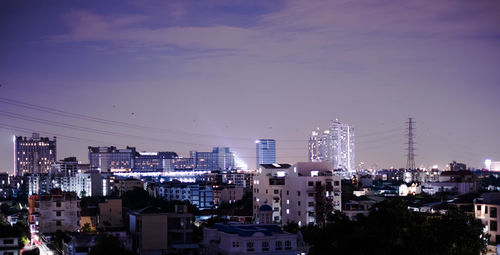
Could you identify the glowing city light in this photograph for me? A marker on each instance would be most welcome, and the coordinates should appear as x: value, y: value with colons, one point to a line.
x: 487, y: 164
x: 240, y: 164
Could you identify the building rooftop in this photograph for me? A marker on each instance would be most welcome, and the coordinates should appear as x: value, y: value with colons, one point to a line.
x: 276, y: 166
x: 248, y: 229
x: 148, y: 210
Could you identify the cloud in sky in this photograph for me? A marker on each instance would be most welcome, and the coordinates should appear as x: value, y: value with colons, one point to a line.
x: 325, y: 19
x: 352, y: 32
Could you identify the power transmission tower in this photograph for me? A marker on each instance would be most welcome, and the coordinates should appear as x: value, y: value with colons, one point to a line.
x: 410, y: 160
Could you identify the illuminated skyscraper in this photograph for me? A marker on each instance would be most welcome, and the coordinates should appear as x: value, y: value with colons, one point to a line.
x: 33, y: 155
x: 336, y: 144
x: 266, y: 151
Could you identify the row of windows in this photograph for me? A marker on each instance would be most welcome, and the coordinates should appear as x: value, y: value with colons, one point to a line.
x: 493, y: 211
x: 265, y: 245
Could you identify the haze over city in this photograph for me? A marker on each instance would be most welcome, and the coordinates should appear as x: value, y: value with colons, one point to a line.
x: 190, y: 75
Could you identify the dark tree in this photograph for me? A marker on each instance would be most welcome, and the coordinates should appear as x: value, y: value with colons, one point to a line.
x: 390, y: 228
x: 323, y: 206
x: 109, y: 245
x: 291, y: 227
x: 137, y: 198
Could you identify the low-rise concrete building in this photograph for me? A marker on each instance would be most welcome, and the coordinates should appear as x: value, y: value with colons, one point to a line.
x: 487, y: 209
x: 155, y: 231
x: 130, y: 184
x: 110, y: 214
x: 10, y: 242
x: 293, y: 191
x: 56, y: 211
x: 237, y: 238
x: 462, y: 182
x: 353, y: 208
x: 228, y: 194
x: 199, y: 195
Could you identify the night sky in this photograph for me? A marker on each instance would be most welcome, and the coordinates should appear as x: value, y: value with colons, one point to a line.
x: 190, y: 75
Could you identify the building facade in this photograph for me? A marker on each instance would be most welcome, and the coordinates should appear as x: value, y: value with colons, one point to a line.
x: 157, y: 232
x: 218, y: 178
x: 336, y: 144
x: 293, y: 191
x: 51, y: 212
x: 108, y: 159
x: 91, y: 183
x: 220, y: 158
x: 110, y: 214
x: 201, y: 196
x: 10, y: 242
x: 487, y: 209
x: 265, y: 151
x: 268, y: 185
x: 34, y: 155
x: 228, y: 194
x: 307, y: 185
x: 153, y: 161
x: 248, y: 239
x: 129, y: 184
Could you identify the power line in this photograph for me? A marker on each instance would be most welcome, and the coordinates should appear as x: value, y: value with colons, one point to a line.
x: 84, y: 117
x: 21, y: 129
x: 17, y: 128
x: 104, y: 121
x: 128, y: 135
x: 111, y: 133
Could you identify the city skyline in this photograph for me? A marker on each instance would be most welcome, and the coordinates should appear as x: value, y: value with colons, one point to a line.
x: 335, y: 144
x: 182, y: 76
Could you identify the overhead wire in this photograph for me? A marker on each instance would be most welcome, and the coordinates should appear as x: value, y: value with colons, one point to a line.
x: 142, y: 127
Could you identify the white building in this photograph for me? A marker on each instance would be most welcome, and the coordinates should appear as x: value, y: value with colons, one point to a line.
x: 487, y: 209
x: 10, y: 242
x: 462, y: 182
x: 336, y: 144
x: 268, y: 184
x: 301, y: 189
x: 83, y: 184
x: 51, y: 212
x: 198, y: 195
x: 228, y: 194
x: 239, y: 238
x: 292, y: 191
x: 354, y: 208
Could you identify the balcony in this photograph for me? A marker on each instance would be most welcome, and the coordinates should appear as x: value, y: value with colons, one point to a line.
x: 276, y: 181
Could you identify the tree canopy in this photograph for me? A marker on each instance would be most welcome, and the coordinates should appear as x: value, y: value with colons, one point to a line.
x: 108, y: 244
x: 390, y: 228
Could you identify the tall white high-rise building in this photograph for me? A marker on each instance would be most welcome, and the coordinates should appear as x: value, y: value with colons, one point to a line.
x: 336, y: 144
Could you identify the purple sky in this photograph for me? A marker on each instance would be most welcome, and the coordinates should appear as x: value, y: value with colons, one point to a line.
x: 224, y: 73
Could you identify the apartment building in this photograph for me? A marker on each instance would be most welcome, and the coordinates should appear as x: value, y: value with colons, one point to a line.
x: 56, y: 211
x: 293, y: 191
